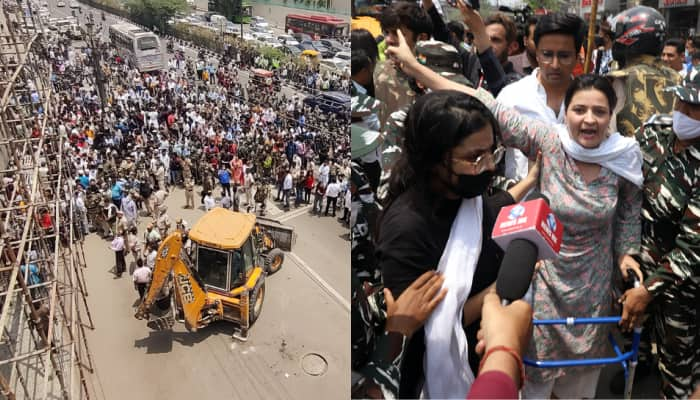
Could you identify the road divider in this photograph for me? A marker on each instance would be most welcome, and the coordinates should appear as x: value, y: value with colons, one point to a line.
x: 321, y: 282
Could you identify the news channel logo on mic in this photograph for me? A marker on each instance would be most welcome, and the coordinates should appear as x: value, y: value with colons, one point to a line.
x: 552, y: 222
x: 516, y: 212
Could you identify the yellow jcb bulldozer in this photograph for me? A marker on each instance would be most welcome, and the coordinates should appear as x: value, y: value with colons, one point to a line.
x: 222, y: 277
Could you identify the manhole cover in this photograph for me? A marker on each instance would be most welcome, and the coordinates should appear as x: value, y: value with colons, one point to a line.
x: 314, y: 364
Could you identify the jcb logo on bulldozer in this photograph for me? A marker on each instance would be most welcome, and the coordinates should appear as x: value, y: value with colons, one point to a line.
x: 185, y: 288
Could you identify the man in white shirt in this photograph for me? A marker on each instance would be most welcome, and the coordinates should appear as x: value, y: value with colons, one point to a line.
x: 142, y: 277
x: 209, y: 202
x: 332, y: 192
x: 324, y: 173
x: 287, y: 185
x: 540, y: 95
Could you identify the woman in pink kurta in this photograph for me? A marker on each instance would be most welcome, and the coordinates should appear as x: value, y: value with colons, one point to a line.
x: 601, y: 220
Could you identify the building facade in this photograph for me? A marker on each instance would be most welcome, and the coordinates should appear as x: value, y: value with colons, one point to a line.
x: 275, y: 11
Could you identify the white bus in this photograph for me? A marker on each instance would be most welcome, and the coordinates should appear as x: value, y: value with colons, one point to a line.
x: 141, y: 47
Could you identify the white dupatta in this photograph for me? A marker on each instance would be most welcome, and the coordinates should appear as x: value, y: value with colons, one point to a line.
x: 446, y: 361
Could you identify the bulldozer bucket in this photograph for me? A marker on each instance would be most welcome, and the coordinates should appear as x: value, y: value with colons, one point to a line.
x: 283, y: 236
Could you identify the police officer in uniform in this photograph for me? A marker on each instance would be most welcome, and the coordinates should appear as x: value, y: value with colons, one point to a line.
x: 640, y: 84
x: 670, y: 250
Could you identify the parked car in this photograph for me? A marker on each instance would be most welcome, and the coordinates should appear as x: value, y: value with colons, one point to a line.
x: 269, y: 41
x: 325, y: 51
x: 291, y: 50
x: 256, y: 19
x: 332, y: 44
x: 302, y: 37
x: 343, y: 55
x: 61, y: 4
x: 330, y: 102
x: 306, y: 45
x: 316, y: 45
x: 74, y: 4
x: 334, y: 65
x: 288, y: 40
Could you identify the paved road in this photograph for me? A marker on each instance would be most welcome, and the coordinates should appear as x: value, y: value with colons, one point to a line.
x: 306, y: 313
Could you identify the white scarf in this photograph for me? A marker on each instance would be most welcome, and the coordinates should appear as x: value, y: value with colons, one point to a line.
x: 617, y: 153
x: 447, y: 372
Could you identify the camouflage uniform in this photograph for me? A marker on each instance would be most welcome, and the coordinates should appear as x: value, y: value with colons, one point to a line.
x: 364, y: 221
x: 376, y: 354
x: 670, y: 250
x: 644, y: 84
x: 393, y: 88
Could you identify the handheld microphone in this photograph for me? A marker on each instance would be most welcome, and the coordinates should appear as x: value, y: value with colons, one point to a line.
x: 527, y: 232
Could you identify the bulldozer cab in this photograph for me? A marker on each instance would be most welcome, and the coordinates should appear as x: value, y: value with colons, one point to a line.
x: 224, y: 270
x: 223, y: 249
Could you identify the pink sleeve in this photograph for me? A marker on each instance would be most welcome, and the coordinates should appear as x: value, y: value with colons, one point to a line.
x: 493, y: 385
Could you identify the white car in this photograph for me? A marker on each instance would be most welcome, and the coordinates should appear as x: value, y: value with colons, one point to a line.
x: 61, y: 4
x: 343, y: 55
x: 74, y: 4
x: 249, y: 38
x: 269, y: 41
x: 287, y: 40
x: 334, y: 65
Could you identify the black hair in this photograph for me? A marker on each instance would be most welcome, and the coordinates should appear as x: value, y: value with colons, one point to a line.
x: 435, y: 124
x: 696, y: 55
x: 409, y: 15
x: 359, y: 61
x: 361, y: 39
x: 457, y: 28
x: 564, y: 24
x: 591, y: 81
x: 677, y: 43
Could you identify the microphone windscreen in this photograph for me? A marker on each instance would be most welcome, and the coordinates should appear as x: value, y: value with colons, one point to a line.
x: 516, y: 269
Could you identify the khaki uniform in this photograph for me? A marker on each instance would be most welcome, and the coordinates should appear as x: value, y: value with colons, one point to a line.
x: 189, y: 192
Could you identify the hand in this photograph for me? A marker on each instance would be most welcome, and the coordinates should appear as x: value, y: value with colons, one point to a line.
x: 471, y: 17
x: 509, y: 326
x: 410, y: 311
x: 534, y: 173
x: 628, y: 262
x: 634, y: 302
x: 427, y: 4
x: 402, y: 56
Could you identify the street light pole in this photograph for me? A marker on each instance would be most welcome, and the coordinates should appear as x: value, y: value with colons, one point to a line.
x: 95, y: 56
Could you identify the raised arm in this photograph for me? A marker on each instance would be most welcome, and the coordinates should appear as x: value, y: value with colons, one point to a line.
x: 519, y: 131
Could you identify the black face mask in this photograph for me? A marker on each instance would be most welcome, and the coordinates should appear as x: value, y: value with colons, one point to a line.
x: 470, y: 186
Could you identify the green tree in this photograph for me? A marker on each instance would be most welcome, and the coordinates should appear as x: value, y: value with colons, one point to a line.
x: 552, y: 5
x: 152, y: 13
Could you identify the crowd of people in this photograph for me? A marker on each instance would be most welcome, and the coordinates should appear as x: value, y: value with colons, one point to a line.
x: 448, y: 128
x: 195, y: 126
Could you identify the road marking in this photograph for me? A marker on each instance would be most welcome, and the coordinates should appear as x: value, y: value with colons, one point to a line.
x: 294, y: 214
x: 321, y: 282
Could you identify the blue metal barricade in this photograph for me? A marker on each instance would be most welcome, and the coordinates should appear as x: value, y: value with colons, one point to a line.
x: 628, y: 360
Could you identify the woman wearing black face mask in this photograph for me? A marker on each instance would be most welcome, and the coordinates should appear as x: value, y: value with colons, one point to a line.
x: 449, y: 155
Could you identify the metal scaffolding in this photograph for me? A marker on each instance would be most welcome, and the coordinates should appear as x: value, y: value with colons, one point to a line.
x: 44, y: 352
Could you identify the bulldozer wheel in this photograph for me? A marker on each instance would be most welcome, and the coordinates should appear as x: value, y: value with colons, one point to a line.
x: 256, y: 303
x: 274, y: 260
